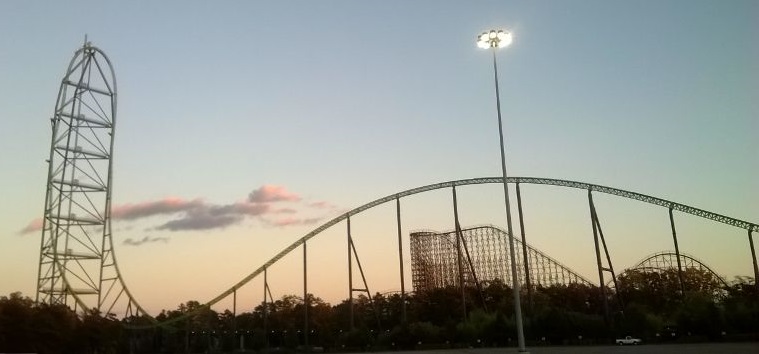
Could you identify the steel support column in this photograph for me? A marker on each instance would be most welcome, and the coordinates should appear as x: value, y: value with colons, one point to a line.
x: 366, y: 285
x: 350, y: 276
x: 458, y: 254
x: 527, y: 281
x: 753, y: 258
x: 610, y: 269
x: 677, y: 253
x: 400, y: 260
x: 234, y: 314
x: 266, y: 310
x: 305, y: 297
x: 351, y: 252
x: 602, y: 284
x: 473, y: 272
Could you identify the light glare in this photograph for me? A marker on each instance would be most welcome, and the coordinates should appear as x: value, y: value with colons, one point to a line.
x: 506, y: 40
x: 494, y: 39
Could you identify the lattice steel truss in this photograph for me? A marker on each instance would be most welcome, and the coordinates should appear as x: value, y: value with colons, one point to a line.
x: 484, y: 257
x: 668, y: 261
x: 77, y: 265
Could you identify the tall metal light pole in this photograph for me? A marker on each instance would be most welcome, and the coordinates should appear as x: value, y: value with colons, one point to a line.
x: 495, y: 39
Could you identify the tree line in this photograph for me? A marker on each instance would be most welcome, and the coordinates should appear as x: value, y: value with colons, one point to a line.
x: 649, y: 305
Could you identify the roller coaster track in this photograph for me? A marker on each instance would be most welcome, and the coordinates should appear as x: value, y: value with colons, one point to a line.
x: 434, y: 258
x: 77, y: 264
x: 475, y: 181
x: 668, y: 260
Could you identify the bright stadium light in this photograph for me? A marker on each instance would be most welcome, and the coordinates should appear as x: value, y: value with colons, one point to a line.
x: 496, y: 39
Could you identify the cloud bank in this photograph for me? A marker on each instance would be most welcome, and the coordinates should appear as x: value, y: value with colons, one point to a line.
x: 168, y: 205
x: 197, y: 214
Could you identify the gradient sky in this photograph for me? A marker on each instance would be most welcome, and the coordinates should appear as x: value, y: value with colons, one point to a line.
x: 313, y: 108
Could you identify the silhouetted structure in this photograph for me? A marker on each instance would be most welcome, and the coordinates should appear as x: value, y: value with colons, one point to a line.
x: 483, y: 254
x: 77, y: 263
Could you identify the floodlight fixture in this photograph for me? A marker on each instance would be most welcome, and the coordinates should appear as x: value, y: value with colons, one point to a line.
x: 494, y: 39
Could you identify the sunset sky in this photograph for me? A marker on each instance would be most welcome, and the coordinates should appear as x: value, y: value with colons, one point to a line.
x: 285, y: 114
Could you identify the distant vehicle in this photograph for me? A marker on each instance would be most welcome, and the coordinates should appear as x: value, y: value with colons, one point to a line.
x: 629, y: 341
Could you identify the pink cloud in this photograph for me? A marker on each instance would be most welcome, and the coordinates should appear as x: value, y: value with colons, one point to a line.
x: 197, y: 214
x: 272, y: 193
x: 34, y: 225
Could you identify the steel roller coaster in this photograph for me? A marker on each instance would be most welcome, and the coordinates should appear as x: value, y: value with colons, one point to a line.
x: 77, y: 261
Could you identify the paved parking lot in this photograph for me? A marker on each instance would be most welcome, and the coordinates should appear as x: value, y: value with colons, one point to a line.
x: 701, y: 348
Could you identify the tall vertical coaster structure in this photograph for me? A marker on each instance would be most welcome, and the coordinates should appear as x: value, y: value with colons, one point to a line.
x: 77, y: 264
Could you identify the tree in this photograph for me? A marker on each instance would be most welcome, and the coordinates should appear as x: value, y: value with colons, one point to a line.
x: 741, y: 306
x: 97, y: 333
x: 16, y: 323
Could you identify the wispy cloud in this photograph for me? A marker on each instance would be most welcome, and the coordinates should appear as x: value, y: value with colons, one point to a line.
x: 146, y: 239
x: 240, y: 208
x: 200, y: 222
x: 197, y: 214
x: 321, y: 204
x: 272, y: 193
x: 290, y: 221
x: 214, y: 216
x: 34, y: 225
x: 168, y: 205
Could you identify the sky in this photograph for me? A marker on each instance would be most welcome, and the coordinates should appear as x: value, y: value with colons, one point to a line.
x: 292, y: 112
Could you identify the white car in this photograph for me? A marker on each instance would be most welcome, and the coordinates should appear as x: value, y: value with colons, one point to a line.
x: 629, y: 340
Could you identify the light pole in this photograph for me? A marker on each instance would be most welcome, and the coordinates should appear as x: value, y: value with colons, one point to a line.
x: 495, y: 39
